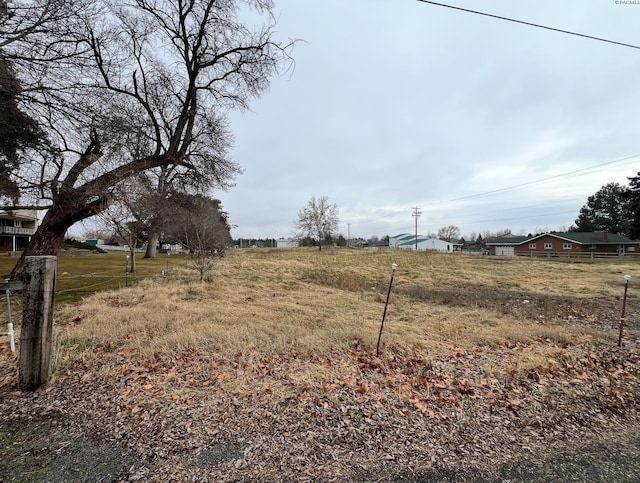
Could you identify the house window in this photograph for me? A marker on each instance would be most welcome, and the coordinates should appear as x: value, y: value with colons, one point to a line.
x: 566, y: 246
x: 548, y: 246
x: 631, y: 249
x: 532, y: 246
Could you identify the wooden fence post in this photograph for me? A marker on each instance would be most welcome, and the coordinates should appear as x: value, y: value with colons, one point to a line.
x: 36, y: 334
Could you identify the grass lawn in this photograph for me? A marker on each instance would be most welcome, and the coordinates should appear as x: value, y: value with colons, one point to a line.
x: 81, y: 273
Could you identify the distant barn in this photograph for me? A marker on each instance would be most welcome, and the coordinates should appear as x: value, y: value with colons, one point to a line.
x: 407, y: 241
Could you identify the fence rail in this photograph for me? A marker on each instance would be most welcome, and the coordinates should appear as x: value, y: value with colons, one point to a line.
x: 14, y: 230
x: 568, y: 254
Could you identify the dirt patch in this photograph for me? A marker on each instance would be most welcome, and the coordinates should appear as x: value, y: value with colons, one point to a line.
x: 218, y: 453
x: 619, y: 462
x: 592, y: 311
x: 45, y: 448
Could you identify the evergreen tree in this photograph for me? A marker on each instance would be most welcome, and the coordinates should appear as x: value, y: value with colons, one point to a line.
x: 18, y: 131
x: 608, y: 209
x: 633, y: 196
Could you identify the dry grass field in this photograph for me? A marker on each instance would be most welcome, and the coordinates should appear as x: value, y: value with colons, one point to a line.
x: 268, y: 370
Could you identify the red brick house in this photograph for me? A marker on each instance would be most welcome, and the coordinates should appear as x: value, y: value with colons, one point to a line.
x: 567, y: 244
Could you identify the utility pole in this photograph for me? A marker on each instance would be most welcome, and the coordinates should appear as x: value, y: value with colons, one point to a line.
x: 416, y: 214
x: 348, y: 234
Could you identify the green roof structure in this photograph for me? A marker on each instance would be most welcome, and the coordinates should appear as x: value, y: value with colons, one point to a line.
x: 582, y: 238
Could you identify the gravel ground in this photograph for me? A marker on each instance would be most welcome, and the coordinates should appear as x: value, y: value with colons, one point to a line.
x: 81, y: 433
x: 42, y: 451
x: 614, y: 462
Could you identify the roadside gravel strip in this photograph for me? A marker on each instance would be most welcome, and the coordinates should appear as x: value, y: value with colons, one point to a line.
x: 86, y: 427
x: 43, y: 451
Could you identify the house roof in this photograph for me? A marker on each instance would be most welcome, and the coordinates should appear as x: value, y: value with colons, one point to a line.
x: 589, y: 238
x: 510, y: 240
x: 28, y: 215
x: 582, y: 238
x: 404, y: 236
x: 411, y: 241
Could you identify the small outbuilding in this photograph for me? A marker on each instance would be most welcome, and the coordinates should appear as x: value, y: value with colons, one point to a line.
x: 287, y: 243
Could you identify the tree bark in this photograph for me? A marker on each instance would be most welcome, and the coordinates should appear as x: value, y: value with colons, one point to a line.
x: 152, y: 245
x: 47, y: 240
x: 49, y: 236
x: 132, y: 255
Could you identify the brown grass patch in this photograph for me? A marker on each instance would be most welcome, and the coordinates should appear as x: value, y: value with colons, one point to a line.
x: 265, y: 302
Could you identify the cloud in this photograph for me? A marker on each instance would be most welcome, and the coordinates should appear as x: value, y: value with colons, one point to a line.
x: 393, y: 105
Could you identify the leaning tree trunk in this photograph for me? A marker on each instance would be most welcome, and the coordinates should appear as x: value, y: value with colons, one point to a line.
x: 47, y: 239
x: 152, y: 245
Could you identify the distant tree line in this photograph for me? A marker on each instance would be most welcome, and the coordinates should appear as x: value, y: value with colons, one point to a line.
x: 614, y: 208
x: 255, y: 242
x: 198, y: 223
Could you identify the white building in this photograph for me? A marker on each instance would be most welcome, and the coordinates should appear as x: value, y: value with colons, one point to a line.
x: 16, y: 228
x: 287, y: 243
x: 406, y: 241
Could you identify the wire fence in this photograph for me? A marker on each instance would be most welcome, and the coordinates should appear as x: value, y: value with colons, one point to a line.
x: 575, y: 254
x: 88, y: 280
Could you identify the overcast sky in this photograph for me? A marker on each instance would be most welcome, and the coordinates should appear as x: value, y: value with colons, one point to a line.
x: 395, y: 104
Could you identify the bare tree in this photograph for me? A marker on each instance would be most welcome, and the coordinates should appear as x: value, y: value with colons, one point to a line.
x: 155, y: 188
x: 200, y: 224
x: 449, y: 233
x: 22, y: 135
x: 20, y: 20
x: 126, y: 218
x: 127, y: 232
x: 318, y: 220
x: 147, y: 201
x: 160, y: 74
x: 97, y: 233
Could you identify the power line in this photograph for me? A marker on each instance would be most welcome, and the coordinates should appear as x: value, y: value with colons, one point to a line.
x: 532, y: 24
x: 468, y: 221
x: 513, y: 213
x: 505, y: 189
x: 529, y: 183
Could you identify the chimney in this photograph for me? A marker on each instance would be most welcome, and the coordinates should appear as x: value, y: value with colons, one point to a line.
x: 600, y: 235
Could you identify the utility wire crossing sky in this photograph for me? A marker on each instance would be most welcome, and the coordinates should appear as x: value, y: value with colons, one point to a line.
x: 485, y: 114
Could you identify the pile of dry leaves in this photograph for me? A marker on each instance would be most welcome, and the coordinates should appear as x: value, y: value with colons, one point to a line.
x: 338, y: 416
